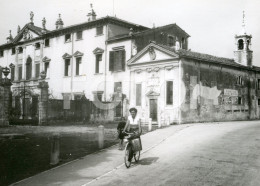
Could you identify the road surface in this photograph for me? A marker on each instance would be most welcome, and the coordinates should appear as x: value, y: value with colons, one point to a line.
x: 203, y: 154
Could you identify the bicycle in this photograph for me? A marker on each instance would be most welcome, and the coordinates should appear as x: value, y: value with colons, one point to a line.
x: 129, y: 150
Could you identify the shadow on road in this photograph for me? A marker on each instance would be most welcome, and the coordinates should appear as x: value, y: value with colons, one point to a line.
x: 148, y: 161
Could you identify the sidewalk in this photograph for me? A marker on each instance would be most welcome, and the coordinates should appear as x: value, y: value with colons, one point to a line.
x: 85, y: 170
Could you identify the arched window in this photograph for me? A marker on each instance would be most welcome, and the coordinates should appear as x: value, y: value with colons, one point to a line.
x: 240, y: 44
x: 29, y: 68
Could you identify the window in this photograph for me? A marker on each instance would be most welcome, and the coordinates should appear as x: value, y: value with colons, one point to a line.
x: 182, y: 42
x: 46, y: 69
x: 239, y: 101
x: 138, y: 94
x: 37, y: 70
x: 12, y: 72
x: 79, y: 35
x: 169, y: 92
x: 28, y: 69
x: 98, y: 59
x: 20, y: 50
x: 117, y: 86
x: 258, y: 102
x: 20, y: 72
x: 13, y: 50
x: 117, y: 60
x: 99, y: 30
x: 240, y: 81
x: 170, y: 41
x: 47, y: 42
x: 37, y: 46
x: 240, y: 44
x: 78, y: 64
x: 67, y: 37
x: 258, y: 84
x: 1, y: 53
x: 67, y: 67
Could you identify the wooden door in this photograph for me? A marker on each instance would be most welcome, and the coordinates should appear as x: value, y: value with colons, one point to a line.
x: 153, y: 109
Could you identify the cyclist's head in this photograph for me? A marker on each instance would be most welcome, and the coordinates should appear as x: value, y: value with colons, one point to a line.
x: 133, y: 111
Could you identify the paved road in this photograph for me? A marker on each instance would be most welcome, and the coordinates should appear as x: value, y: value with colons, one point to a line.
x: 203, y: 154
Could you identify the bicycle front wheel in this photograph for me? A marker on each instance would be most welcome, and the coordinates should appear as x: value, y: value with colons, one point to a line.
x: 137, y: 156
x: 127, y: 155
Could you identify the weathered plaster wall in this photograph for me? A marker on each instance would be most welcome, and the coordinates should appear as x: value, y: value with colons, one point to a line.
x: 212, y: 92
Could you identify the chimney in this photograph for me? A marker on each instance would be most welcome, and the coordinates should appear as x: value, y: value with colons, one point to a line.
x: 91, y: 15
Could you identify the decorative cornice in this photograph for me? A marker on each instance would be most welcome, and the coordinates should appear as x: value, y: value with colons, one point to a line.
x: 78, y: 54
x: 169, y: 67
x: 156, y: 69
x: 46, y: 59
x: 148, y: 70
x: 152, y: 93
x: 138, y: 71
x: 66, y: 56
x: 98, y: 51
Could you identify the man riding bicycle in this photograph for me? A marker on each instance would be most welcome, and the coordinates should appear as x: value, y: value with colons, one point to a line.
x: 133, y: 125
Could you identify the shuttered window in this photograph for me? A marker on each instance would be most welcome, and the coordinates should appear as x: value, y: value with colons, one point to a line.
x: 138, y: 94
x: 117, y: 60
x: 37, y: 70
x: 169, y: 92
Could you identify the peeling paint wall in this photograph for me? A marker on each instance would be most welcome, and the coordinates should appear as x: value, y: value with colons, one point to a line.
x: 214, y: 92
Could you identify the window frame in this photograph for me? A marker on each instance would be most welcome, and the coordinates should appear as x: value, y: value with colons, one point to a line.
x: 13, y: 52
x: 99, y: 28
x: 37, y: 46
x: 114, y: 58
x: 47, y: 42
x: 170, y: 41
x: 167, y: 101
x: 67, y: 63
x: 138, y: 98
x: 69, y: 39
x: 77, y: 35
x: 1, y: 53
x: 97, y: 64
x: 78, y: 66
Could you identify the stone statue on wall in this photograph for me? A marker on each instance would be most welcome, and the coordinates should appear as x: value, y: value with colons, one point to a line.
x: 31, y: 16
x: 44, y: 23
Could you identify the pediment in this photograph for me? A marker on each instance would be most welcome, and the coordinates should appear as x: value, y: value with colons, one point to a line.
x: 153, y: 53
x: 28, y: 32
x: 78, y: 54
x: 46, y: 59
x: 98, y: 51
x: 152, y: 93
x: 66, y: 56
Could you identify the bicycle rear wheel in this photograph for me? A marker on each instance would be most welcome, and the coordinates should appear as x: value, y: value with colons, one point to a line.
x: 127, y: 154
x: 137, y: 156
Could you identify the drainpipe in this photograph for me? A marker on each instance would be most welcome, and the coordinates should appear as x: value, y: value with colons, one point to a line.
x: 105, y: 81
x: 72, y: 52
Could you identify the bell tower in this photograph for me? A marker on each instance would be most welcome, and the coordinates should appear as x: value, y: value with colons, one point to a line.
x: 243, y: 53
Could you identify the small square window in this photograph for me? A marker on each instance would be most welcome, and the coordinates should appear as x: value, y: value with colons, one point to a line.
x: 99, y: 30
x: 47, y: 42
x: 20, y: 50
x: 37, y: 46
x: 13, y: 50
x: 67, y: 37
x: 1, y: 53
x: 79, y: 35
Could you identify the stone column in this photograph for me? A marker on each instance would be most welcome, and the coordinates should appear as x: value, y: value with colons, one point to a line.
x: 5, y: 90
x: 43, y: 102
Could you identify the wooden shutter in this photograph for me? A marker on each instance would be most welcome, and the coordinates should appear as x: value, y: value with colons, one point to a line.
x: 111, y: 60
x: 123, y: 60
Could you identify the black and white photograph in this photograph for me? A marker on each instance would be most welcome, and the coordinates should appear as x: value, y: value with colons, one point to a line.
x: 129, y: 92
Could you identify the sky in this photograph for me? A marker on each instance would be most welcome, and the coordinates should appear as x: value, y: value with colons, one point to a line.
x: 212, y: 24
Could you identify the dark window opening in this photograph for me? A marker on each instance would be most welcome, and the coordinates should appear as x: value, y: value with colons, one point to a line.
x: 67, y: 37
x: 258, y: 84
x: 1, y: 53
x: 13, y: 51
x: 99, y: 30
x: 258, y: 101
x: 117, y: 60
x: 79, y: 35
x: 29, y: 69
x: 182, y: 42
x: 170, y: 41
x: 98, y: 59
x: 78, y: 63
x: 169, y: 92
x: 239, y: 101
x: 37, y: 46
x: 12, y: 73
x: 46, y: 68
x: 20, y: 50
x: 240, y: 44
x: 138, y: 94
x: 47, y: 42
x: 240, y: 81
x: 67, y: 66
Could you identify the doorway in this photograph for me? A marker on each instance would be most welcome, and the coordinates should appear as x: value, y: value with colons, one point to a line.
x: 153, y: 109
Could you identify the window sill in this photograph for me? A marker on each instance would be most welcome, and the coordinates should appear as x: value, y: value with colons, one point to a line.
x: 79, y: 75
x: 46, y: 46
x: 79, y: 39
x: 37, y: 48
x: 98, y: 73
x: 66, y: 76
x: 68, y: 41
x: 99, y: 35
x: 117, y: 71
